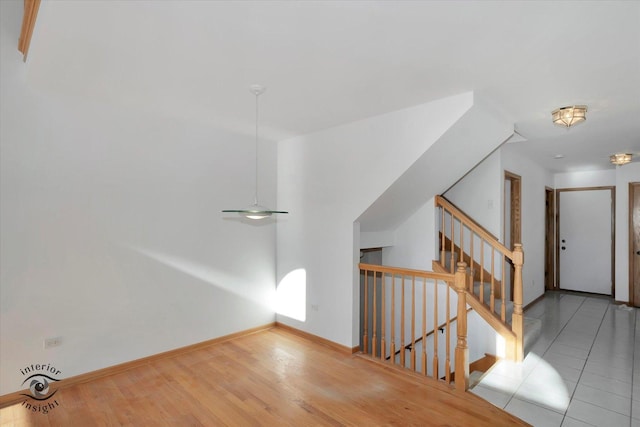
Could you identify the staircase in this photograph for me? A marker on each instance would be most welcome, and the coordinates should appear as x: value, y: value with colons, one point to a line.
x: 418, y: 319
x: 482, y: 291
x: 489, y: 264
x: 480, y: 249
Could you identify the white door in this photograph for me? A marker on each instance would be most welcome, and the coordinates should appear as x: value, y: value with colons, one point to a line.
x: 585, y: 240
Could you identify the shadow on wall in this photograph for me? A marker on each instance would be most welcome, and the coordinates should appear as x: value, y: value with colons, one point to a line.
x: 205, y: 273
x: 291, y: 292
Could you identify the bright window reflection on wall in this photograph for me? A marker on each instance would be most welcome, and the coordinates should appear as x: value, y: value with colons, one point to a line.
x: 291, y: 296
x: 501, y: 346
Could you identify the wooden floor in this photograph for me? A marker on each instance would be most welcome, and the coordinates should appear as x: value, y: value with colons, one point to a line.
x: 271, y: 378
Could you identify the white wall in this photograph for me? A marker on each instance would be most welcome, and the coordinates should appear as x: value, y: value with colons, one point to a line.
x: 624, y: 175
x: 112, y: 236
x: 585, y: 179
x: 327, y: 180
x: 482, y: 338
x: 479, y: 194
x: 534, y: 180
x: 415, y: 245
x: 376, y: 239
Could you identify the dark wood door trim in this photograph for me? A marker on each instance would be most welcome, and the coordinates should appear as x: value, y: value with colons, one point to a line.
x: 632, y: 243
x: 515, y: 211
x: 516, y: 202
x: 549, y: 240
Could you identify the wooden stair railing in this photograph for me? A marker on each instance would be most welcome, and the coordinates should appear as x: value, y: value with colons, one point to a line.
x: 394, y: 317
x: 462, y: 238
x: 478, y: 274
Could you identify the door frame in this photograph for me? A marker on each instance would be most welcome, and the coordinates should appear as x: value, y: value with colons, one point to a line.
x: 549, y: 239
x: 611, y: 188
x: 632, y: 254
x: 515, y: 212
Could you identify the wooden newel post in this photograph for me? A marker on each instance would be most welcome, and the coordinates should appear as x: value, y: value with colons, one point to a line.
x: 462, y: 351
x: 516, y: 321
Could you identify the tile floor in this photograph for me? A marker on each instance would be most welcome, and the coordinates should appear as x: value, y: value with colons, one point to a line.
x: 581, y: 371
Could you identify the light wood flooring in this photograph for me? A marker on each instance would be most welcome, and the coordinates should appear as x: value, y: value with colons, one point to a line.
x: 270, y: 378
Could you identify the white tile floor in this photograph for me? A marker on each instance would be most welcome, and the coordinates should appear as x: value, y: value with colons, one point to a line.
x: 580, y: 371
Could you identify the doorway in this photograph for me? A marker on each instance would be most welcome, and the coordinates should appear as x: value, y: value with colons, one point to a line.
x: 512, y: 221
x: 585, y: 239
x: 634, y: 243
x: 549, y: 239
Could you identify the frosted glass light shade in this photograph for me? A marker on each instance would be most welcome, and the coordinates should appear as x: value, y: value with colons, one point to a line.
x: 620, y: 159
x: 569, y: 116
x: 255, y: 212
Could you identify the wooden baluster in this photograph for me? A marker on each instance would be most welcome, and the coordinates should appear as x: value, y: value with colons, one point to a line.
x: 392, y: 348
x: 424, y: 326
x: 442, y: 238
x: 503, y: 295
x: 374, y: 338
x: 471, y: 263
x: 462, y: 351
x: 492, y: 299
x: 402, y: 314
x: 435, y: 329
x: 481, y: 269
x: 413, y: 323
x: 516, y: 319
x: 461, y: 259
x: 447, y: 362
x: 383, y: 342
x: 453, y: 249
x: 365, y: 323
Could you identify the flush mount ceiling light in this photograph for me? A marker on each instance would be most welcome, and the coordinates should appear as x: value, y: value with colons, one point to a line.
x: 620, y: 159
x: 255, y: 211
x: 569, y: 116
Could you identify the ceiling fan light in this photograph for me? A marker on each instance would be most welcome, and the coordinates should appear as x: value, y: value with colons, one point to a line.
x: 569, y: 116
x: 620, y: 159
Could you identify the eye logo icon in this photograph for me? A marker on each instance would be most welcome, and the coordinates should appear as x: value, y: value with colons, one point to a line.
x: 39, y: 386
x: 39, y: 378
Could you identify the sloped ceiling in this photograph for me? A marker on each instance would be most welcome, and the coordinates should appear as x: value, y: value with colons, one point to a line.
x: 472, y: 137
x: 328, y: 63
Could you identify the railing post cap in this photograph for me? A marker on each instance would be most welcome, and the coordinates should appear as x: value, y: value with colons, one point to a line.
x: 462, y: 266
